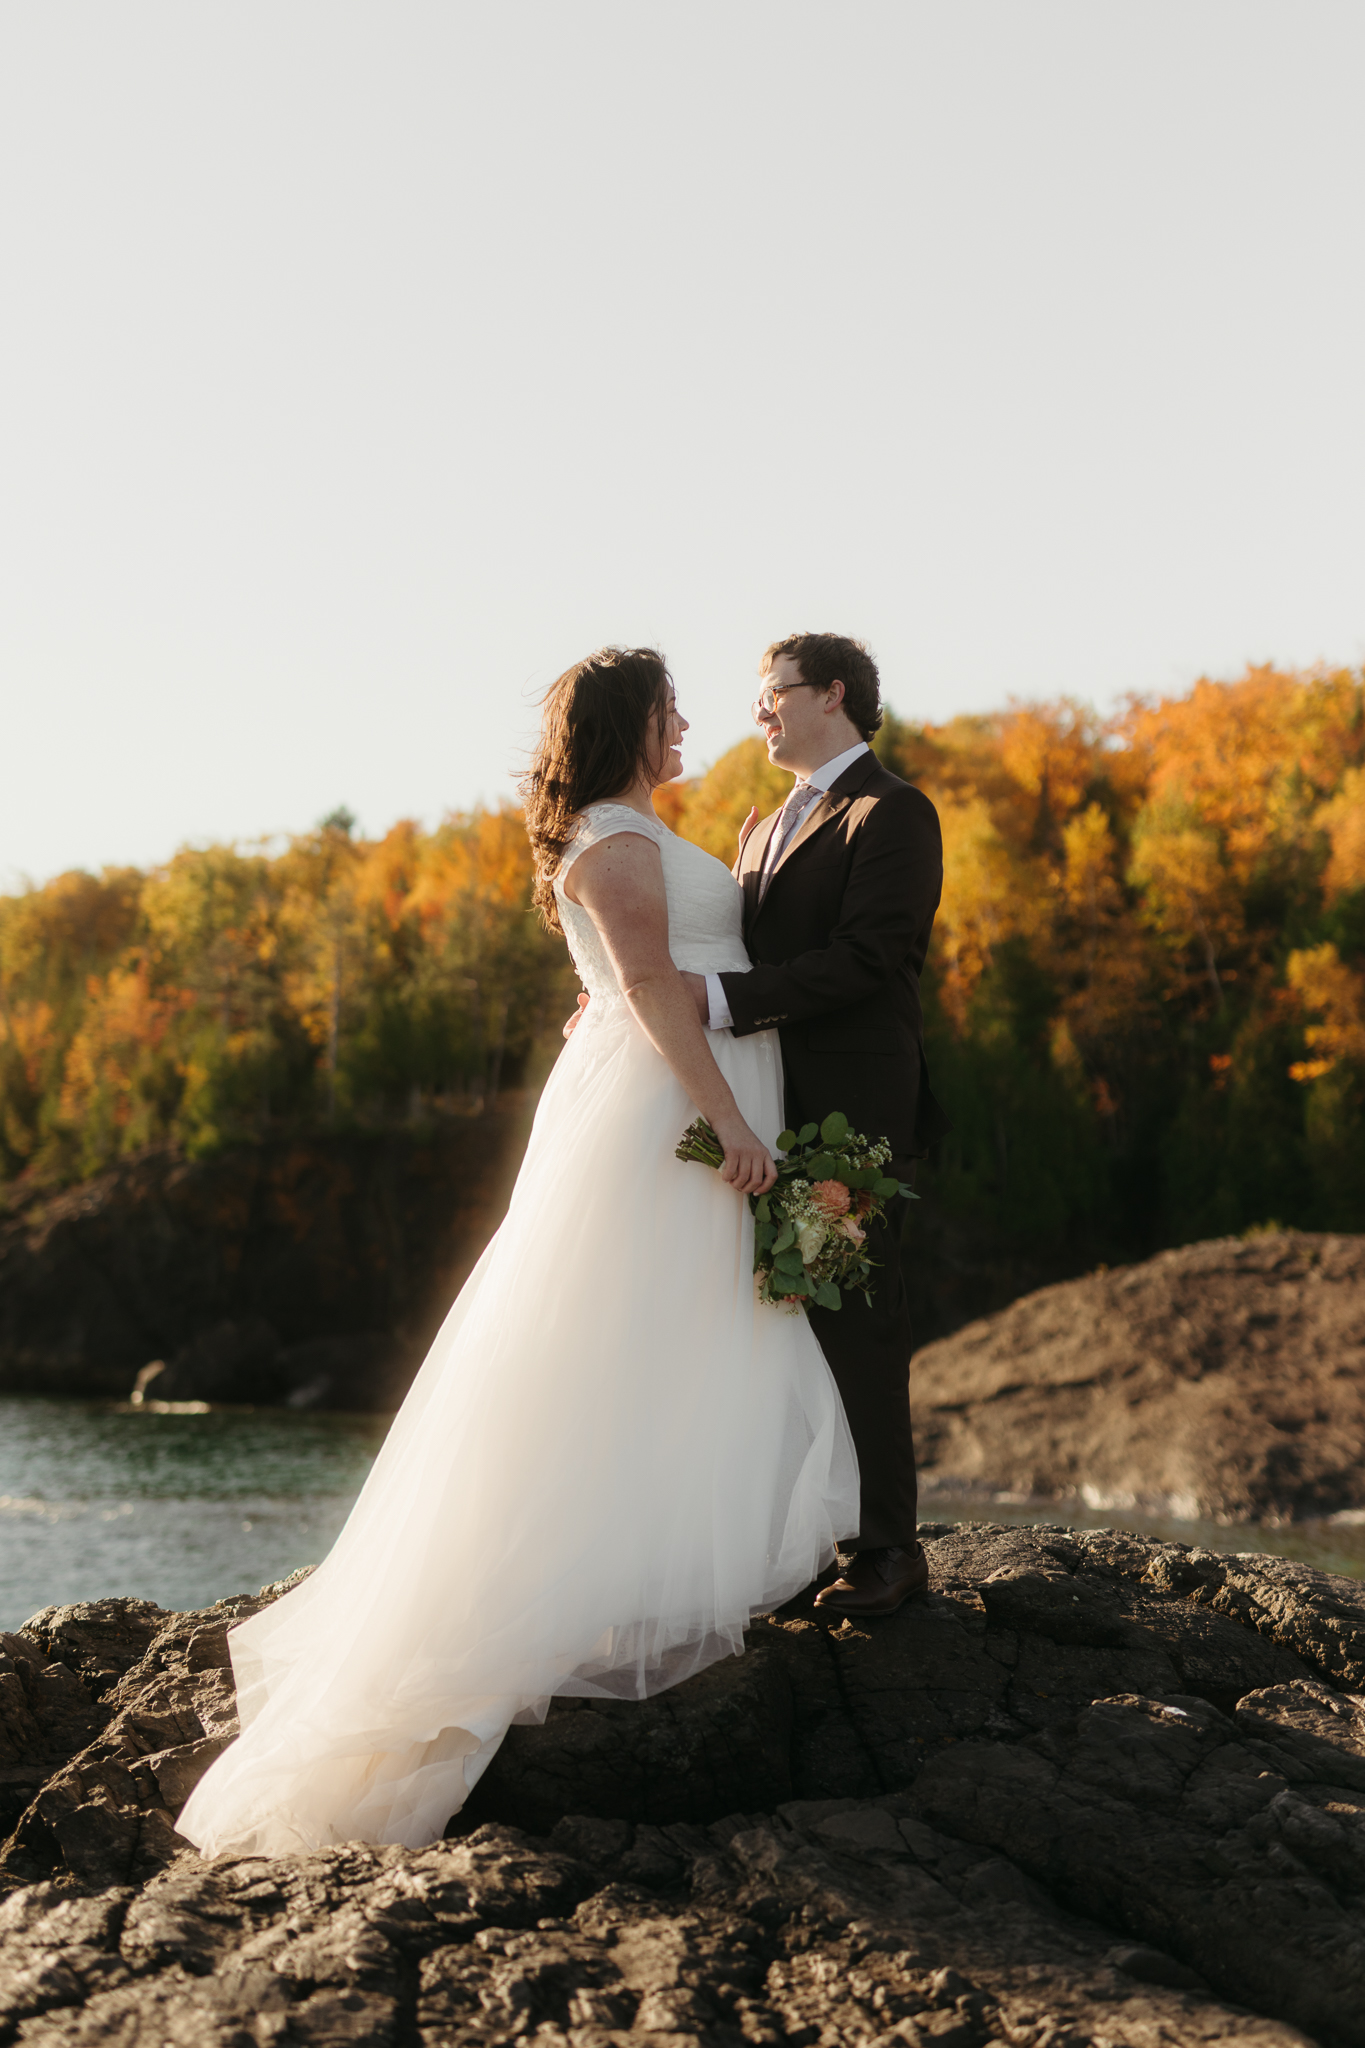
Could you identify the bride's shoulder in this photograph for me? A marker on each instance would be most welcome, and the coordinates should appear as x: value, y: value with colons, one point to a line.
x: 613, y: 817
x: 596, y: 822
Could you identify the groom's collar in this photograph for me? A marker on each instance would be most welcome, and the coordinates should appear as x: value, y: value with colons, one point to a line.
x: 848, y: 772
x: 827, y: 774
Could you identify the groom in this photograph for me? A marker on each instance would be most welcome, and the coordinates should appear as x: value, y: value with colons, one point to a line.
x: 840, y: 889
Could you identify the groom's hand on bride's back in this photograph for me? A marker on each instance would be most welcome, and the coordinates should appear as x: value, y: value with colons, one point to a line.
x: 577, y: 1017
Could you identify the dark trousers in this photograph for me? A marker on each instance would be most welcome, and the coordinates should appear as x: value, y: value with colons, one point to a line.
x: 868, y: 1352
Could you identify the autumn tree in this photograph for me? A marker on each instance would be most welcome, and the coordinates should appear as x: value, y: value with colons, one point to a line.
x: 1144, y: 1004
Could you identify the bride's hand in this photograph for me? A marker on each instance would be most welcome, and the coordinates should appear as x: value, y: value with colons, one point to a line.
x: 748, y: 1164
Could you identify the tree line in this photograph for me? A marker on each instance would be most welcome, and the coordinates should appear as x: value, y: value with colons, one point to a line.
x: 233, y: 992
x: 1145, y: 999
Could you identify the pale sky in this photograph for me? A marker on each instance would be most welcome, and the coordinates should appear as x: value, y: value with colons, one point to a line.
x: 363, y: 365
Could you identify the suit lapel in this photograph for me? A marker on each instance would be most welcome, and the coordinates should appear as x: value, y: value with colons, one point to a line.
x: 826, y: 807
x: 749, y: 866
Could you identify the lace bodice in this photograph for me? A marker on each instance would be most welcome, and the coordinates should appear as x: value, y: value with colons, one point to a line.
x: 704, y: 902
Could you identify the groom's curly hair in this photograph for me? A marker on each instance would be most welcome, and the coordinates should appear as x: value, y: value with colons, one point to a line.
x: 596, y: 723
x: 825, y: 658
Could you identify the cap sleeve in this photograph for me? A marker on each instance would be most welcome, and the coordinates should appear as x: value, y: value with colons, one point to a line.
x: 606, y: 821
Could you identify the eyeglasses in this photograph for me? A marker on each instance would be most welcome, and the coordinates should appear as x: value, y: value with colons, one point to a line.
x: 765, y: 704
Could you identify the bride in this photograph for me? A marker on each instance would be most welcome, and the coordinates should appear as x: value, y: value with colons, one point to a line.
x: 613, y: 1456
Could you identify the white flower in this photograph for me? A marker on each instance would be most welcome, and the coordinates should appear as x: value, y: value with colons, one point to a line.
x: 810, y: 1238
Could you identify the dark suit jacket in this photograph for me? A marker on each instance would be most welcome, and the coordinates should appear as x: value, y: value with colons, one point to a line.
x: 838, y: 942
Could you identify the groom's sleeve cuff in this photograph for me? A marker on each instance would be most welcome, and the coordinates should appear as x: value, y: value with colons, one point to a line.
x: 719, y: 1018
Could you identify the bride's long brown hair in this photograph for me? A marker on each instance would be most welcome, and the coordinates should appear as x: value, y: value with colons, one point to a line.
x: 596, y: 723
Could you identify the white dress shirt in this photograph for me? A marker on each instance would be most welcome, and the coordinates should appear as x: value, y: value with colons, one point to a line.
x: 820, y: 779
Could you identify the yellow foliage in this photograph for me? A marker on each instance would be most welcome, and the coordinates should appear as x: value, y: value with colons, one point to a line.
x: 1110, y: 875
x: 55, y: 930
x: 125, y: 1021
x: 1189, y: 895
x: 1048, y: 752
x: 1251, y: 760
x: 485, y: 857
x: 207, y: 998
x: 1342, y: 818
x: 27, y: 1028
x: 983, y: 902
x: 711, y: 810
x: 1090, y: 858
x: 1094, y: 946
x: 1123, y: 852
x: 1330, y: 990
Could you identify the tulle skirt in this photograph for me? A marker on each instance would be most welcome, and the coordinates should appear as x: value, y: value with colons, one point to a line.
x: 612, y: 1458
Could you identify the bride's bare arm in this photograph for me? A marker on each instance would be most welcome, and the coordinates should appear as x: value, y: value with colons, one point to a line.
x: 620, y: 883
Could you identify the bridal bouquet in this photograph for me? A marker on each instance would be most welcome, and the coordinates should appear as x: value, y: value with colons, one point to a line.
x: 810, y: 1227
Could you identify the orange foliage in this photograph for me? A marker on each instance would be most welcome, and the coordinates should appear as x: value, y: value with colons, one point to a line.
x: 203, y: 1000
x: 124, y: 1025
x: 1116, y: 894
x: 711, y: 809
x: 1122, y: 854
x: 1251, y: 760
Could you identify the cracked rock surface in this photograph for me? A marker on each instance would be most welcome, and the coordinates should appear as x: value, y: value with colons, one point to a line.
x: 1095, y: 1789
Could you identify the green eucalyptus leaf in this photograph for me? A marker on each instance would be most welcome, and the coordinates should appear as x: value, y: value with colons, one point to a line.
x: 835, y: 1127
x: 821, y: 1167
x: 763, y: 1208
x: 785, y: 1236
x: 885, y: 1189
x: 828, y: 1295
x: 785, y: 1140
x: 807, y: 1134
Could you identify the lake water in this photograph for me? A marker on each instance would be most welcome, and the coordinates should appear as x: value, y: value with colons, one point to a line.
x: 179, y: 1509
x: 182, y: 1509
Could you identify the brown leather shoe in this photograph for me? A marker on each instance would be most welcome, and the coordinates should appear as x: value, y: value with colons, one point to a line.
x: 877, y: 1582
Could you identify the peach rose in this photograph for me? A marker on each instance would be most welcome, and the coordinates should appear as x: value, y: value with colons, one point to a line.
x: 830, y: 1198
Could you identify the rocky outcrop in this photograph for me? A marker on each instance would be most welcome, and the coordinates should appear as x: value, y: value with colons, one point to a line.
x: 1094, y: 1789
x: 313, y: 1270
x: 1223, y: 1380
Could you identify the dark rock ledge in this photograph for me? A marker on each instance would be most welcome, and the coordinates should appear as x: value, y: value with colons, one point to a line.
x: 1094, y: 1790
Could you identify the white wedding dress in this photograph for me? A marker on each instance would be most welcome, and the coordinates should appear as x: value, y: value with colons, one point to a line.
x: 612, y: 1458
